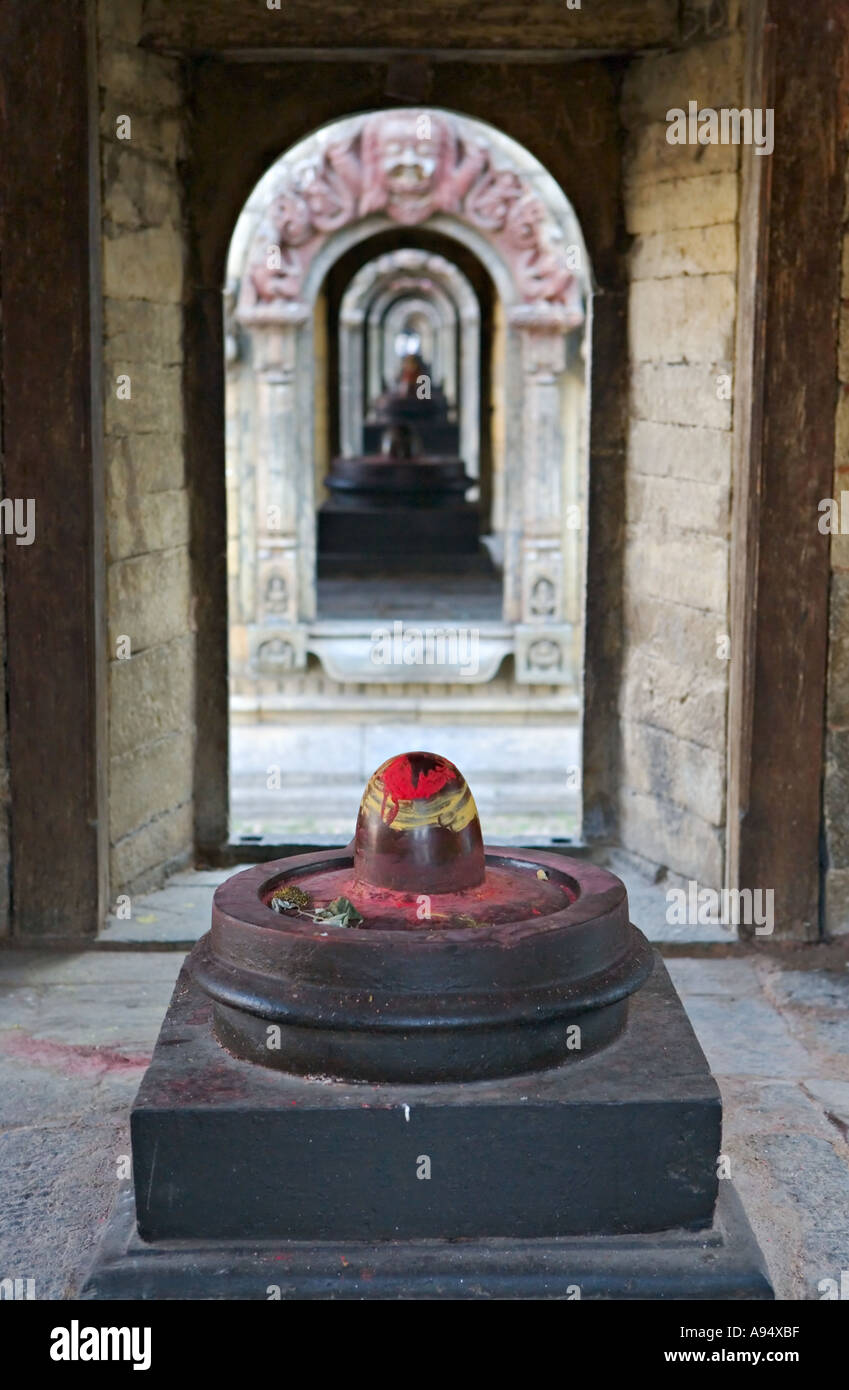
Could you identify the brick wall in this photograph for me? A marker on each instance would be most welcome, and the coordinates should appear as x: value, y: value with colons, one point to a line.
x: 150, y: 691
x: 681, y: 208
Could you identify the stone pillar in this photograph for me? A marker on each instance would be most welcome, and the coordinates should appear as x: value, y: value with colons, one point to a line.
x: 351, y: 385
x: 284, y: 536
x: 469, y: 389
x: 546, y: 634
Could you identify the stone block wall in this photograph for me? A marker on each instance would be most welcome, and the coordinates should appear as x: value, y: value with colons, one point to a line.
x: 836, y: 782
x: 149, y: 610
x: 681, y: 210
x: 5, y: 845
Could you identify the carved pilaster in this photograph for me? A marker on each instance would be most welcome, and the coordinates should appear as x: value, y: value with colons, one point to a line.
x: 283, y: 491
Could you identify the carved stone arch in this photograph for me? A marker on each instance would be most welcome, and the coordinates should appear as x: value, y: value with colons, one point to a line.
x: 476, y: 186
x: 366, y: 294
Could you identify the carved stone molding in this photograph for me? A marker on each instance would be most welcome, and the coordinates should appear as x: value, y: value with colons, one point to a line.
x: 471, y: 184
x: 279, y: 651
x: 410, y: 166
x: 545, y: 655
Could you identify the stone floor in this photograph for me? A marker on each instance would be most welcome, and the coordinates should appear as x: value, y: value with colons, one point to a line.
x: 523, y: 775
x: 430, y: 597
x: 77, y: 1029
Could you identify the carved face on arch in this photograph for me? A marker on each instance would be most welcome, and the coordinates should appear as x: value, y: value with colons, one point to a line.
x: 405, y: 155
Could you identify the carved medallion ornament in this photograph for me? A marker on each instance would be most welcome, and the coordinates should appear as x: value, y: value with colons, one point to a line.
x: 409, y: 167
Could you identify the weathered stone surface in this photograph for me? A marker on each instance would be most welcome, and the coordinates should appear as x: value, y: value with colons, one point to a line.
x: 667, y: 507
x: 150, y: 81
x: 5, y: 859
x: 160, y: 136
x: 140, y: 525
x: 143, y: 463
x: 687, y: 703
x: 659, y: 764
x: 680, y: 451
x: 155, y: 402
x: 650, y: 156
x: 810, y: 989
x: 144, y: 264
x: 694, y: 569
x: 836, y: 797
x: 148, y: 781
x: 681, y: 203
x: 690, y: 317
x: 837, y: 902
x: 774, y: 1134
x: 149, y: 599
x: 838, y: 662
x: 744, y: 1036
x: 120, y: 20
x: 844, y: 263
x: 680, y: 393
x: 820, y: 1017
x: 142, y: 860
x: 138, y: 191
x: 70, y: 1166
x: 690, y: 202
x: 710, y: 73
x: 692, y: 251
x: 843, y: 346
x: 841, y: 429
x: 834, y: 1095
x: 670, y: 835
x: 726, y: 978
x: 139, y: 330
x: 667, y: 631
x: 175, y: 915
x: 150, y: 695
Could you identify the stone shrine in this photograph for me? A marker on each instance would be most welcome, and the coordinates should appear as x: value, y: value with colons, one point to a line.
x: 421, y: 1067
x: 410, y: 498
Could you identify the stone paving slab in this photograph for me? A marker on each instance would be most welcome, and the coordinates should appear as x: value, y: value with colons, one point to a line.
x: 519, y: 773
x: 77, y: 1030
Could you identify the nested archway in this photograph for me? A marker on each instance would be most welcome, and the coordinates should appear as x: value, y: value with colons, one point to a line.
x: 466, y: 181
x: 386, y: 294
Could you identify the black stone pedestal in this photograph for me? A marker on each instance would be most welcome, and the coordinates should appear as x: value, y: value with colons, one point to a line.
x: 722, y: 1262
x: 597, y: 1176
x: 385, y: 532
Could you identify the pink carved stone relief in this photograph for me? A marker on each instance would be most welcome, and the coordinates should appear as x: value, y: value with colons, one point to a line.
x: 410, y: 166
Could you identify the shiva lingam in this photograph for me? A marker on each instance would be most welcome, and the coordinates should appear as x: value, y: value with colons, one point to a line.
x: 427, y: 414
x: 277, y: 1140
x: 418, y: 953
x: 409, y: 498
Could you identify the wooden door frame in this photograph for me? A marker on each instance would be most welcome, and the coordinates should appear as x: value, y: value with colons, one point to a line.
x: 55, y: 623
x: 791, y: 227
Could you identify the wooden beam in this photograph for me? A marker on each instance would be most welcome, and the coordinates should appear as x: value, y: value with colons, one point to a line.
x: 504, y: 26
x: 51, y: 388
x: 785, y: 404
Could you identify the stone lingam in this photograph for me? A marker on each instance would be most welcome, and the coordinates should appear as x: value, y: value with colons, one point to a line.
x: 455, y: 961
x: 407, y: 499
x: 423, y: 1067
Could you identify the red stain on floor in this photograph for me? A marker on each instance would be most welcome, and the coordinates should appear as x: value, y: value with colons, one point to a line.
x: 72, y: 1059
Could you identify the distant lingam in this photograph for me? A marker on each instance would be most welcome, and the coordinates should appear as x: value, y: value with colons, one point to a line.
x: 409, y: 496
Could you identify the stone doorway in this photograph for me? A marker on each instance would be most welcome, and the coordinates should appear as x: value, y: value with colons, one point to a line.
x: 434, y: 231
